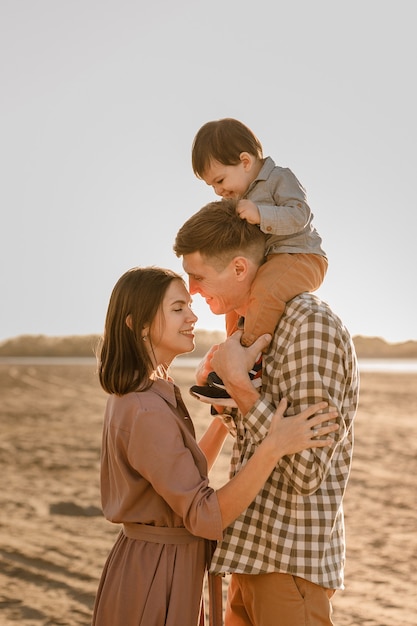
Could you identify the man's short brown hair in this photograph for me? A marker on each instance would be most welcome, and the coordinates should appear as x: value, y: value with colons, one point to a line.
x: 219, y: 234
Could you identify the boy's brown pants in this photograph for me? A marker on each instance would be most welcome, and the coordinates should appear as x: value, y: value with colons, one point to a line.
x: 278, y: 280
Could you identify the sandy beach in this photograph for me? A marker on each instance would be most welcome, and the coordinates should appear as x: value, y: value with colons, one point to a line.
x: 54, y: 540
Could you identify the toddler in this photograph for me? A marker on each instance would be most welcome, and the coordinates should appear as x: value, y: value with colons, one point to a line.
x: 228, y: 156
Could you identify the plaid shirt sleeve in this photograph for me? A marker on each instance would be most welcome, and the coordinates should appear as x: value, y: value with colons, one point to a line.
x: 311, y: 359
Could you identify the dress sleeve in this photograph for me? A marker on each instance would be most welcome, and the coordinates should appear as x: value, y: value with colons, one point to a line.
x: 160, y: 452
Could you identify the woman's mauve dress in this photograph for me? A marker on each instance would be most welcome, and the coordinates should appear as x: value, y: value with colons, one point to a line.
x: 154, y: 482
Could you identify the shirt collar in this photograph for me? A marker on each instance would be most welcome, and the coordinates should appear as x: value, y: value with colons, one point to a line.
x: 265, y: 170
x: 264, y: 173
x: 165, y: 389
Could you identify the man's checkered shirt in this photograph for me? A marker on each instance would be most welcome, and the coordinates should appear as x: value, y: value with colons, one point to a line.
x: 295, y: 525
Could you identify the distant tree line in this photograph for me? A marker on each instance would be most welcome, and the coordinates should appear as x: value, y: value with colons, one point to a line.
x: 86, y: 345
x: 42, y: 345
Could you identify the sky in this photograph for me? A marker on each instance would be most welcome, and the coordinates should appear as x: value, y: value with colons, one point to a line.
x: 100, y: 102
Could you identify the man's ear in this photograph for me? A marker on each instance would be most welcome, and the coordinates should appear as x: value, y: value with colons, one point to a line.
x: 240, y: 267
x: 247, y: 160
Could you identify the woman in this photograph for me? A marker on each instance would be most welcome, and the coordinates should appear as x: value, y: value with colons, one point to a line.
x: 153, y: 473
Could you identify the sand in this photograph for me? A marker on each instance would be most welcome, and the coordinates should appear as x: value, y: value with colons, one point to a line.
x: 54, y: 540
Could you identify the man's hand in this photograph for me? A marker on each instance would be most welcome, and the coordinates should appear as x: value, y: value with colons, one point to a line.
x: 205, y: 367
x: 232, y: 362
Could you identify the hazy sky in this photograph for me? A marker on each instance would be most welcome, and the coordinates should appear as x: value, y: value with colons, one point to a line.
x: 100, y: 102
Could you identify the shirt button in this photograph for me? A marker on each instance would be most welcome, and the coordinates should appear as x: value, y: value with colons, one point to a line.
x: 269, y: 228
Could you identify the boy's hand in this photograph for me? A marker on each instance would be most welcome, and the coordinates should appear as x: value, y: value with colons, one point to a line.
x: 247, y: 210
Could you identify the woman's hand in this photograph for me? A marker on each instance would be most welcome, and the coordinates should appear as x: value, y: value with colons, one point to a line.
x: 295, y: 433
x: 287, y: 435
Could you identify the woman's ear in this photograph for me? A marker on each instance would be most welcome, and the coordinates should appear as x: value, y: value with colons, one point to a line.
x: 128, y: 321
x: 129, y: 324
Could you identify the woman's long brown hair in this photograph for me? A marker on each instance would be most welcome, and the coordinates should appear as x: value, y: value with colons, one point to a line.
x: 124, y: 363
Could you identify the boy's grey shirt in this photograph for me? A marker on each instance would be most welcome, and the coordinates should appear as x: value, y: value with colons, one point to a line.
x: 286, y: 218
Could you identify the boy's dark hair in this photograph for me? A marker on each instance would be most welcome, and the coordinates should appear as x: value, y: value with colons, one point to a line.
x: 223, y: 141
x: 219, y: 235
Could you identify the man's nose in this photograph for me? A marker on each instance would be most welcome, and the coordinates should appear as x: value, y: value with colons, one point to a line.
x: 192, y: 287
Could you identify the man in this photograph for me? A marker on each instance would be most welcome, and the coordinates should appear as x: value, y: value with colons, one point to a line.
x: 286, y: 552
